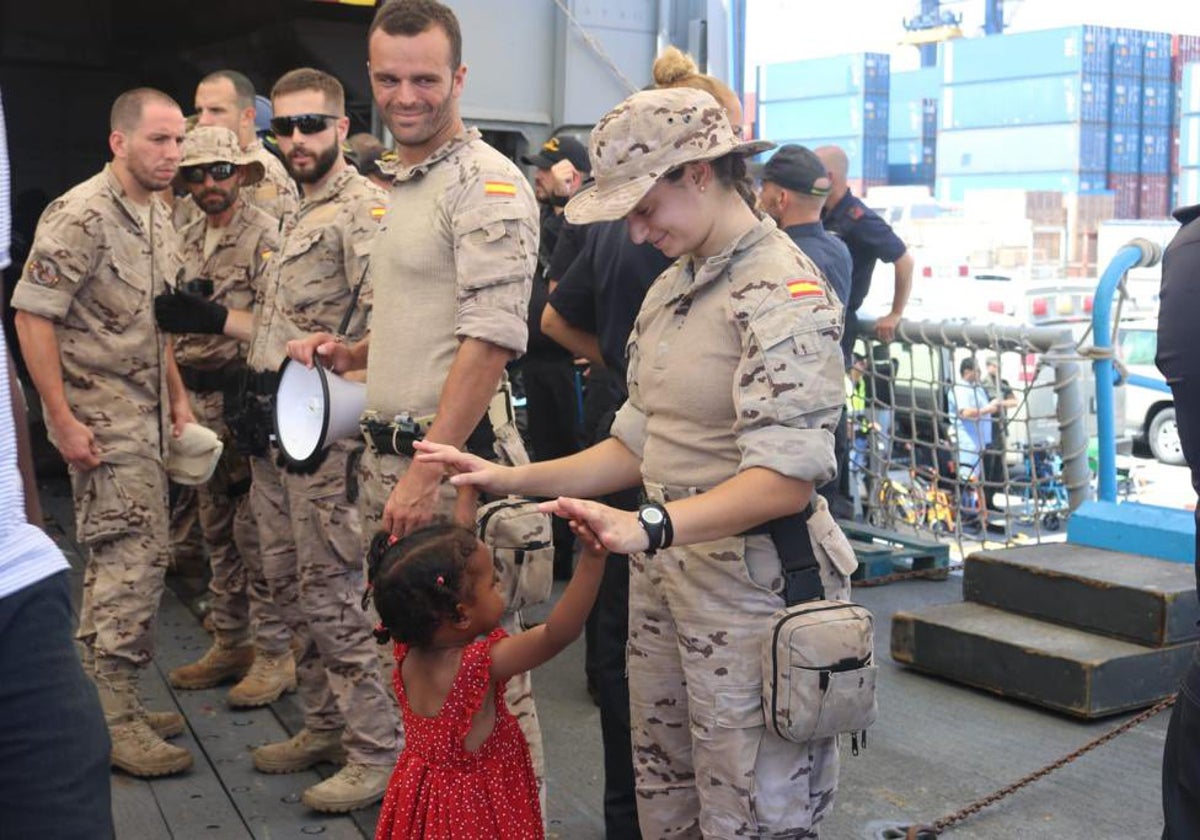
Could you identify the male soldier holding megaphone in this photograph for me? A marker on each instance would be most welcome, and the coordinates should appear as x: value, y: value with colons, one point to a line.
x: 311, y: 542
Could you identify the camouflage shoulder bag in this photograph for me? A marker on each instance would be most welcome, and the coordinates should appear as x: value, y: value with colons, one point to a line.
x: 519, y: 537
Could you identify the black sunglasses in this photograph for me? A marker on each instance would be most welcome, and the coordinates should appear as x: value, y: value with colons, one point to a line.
x: 219, y: 171
x: 307, y: 123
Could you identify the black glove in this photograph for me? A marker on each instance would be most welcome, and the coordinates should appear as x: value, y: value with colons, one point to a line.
x: 183, y: 312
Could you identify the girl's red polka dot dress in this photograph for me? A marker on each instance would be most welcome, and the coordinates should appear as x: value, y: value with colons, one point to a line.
x: 438, y: 789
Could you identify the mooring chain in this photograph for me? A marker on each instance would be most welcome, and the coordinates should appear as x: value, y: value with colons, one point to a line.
x: 929, y: 831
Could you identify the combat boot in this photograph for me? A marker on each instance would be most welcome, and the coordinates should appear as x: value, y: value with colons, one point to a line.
x: 266, y: 681
x: 165, y: 724
x: 304, y: 749
x: 139, y: 751
x: 354, y: 786
x: 218, y: 664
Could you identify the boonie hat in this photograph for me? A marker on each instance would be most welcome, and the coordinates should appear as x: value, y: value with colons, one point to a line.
x: 193, y: 456
x: 217, y: 144
x: 559, y: 148
x: 798, y: 168
x: 644, y: 138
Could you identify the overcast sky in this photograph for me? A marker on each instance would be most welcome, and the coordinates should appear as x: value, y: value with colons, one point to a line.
x: 788, y: 30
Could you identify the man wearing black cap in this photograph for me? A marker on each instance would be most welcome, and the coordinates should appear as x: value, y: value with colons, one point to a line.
x: 548, y: 370
x: 794, y: 189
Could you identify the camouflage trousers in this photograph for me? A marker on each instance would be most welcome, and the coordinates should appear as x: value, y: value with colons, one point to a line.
x: 242, y: 609
x: 378, y: 475
x: 705, y: 764
x: 311, y: 549
x: 121, y: 522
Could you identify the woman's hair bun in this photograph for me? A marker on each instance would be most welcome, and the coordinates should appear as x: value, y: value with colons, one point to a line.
x: 673, y: 66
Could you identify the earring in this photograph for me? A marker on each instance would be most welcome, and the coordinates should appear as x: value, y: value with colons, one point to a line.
x: 702, y: 188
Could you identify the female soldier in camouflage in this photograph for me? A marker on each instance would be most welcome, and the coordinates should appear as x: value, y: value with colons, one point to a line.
x: 734, y: 389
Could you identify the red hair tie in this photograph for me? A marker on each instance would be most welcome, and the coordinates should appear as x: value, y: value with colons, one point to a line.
x: 441, y: 581
x: 392, y: 540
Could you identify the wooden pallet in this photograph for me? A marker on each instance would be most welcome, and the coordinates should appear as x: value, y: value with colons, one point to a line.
x: 881, y: 552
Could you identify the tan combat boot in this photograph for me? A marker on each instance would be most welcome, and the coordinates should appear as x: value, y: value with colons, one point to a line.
x: 304, y: 749
x: 354, y: 786
x: 136, y: 747
x: 218, y: 664
x: 266, y: 681
x: 166, y: 724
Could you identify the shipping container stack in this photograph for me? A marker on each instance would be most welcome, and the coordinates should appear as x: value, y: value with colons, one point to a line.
x: 1125, y: 121
x: 1189, y: 136
x: 839, y: 101
x: 1029, y: 111
x: 912, y: 126
x: 1154, y: 164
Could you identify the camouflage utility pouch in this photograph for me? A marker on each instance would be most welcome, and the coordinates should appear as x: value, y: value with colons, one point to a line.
x: 818, y: 653
x: 519, y: 537
x: 819, y: 671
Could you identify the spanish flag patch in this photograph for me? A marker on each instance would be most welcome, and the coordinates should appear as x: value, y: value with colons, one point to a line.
x: 266, y: 255
x: 377, y: 213
x: 805, y: 288
x: 499, y: 188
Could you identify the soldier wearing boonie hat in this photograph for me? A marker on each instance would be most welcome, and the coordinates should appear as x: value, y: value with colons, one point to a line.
x: 224, y: 252
x: 735, y: 386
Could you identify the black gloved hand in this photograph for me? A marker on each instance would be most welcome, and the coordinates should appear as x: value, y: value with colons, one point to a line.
x: 183, y: 312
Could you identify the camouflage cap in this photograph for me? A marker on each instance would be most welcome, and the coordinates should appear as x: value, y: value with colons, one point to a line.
x: 215, y: 144
x: 644, y: 138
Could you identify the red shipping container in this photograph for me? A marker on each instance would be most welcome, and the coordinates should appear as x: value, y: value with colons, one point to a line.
x: 1155, y: 200
x: 1128, y: 192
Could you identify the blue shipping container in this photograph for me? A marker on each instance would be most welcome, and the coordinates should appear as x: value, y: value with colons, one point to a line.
x: 1125, y: 100
x: 826, y: 116
x: 1189, y: 187
x: 1048, y: 52
x: 1126, y: 49
x: 906, y: 176
x: 867, y: 155
x: 833, y: 76
x: 1156, y: 103
x: 911, y: 152
x: 1124, y: 150
x: 1156, y: 152
x: 1033, y: 148
x: 954, y: 187
x: 1156, y: 56
x: 1190, y: 87
x: 1030, y: 101
x: 906, y: 95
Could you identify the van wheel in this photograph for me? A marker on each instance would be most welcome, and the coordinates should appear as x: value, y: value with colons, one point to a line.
x: 1163, y: 437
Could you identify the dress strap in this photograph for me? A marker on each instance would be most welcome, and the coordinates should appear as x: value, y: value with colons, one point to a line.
x: 399, y: 651
x: 473, y: 680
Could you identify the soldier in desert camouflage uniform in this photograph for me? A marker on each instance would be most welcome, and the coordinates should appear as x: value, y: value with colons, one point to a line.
x: 226, y: 98
x: 111, y: 395
x: 450, y: 274
x: 309, y: 529
x: 734, y: 390
x: 224, y: 253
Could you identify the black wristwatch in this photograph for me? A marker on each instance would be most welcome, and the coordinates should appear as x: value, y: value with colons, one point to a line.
x: 656, y: 522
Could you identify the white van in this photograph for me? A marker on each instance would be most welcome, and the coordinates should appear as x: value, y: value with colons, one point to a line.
x: 1149, y: 408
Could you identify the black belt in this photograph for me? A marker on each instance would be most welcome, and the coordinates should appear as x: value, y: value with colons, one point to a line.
x: 398, y: 438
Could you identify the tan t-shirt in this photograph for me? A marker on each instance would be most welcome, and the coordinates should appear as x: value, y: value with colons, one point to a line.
x: 734, y: 363
x: 307, y: 284
x: 454, y: 260
x: 94, y: 270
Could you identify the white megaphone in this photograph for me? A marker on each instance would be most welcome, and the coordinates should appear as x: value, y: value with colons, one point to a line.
x: 313, y: 408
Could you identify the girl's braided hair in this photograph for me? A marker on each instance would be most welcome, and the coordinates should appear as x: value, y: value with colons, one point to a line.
x: 417, y: 581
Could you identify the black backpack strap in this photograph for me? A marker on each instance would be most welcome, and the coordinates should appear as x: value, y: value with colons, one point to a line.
x: 801, y: 575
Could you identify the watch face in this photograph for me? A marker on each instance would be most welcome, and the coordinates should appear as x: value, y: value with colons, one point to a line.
x: 652, y: 516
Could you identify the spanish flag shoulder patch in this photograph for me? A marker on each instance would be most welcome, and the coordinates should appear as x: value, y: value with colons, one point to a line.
x: 504, y: 188
x: 266, y: 255
x: 377, y: 213
x: 800, y: 288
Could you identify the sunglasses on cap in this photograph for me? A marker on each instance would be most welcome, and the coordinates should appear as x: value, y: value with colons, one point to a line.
x: 307, y: 123
x: 219, y: 171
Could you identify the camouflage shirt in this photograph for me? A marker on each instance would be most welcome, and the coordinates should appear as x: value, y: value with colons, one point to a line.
x: 94, y: 270
x: 734, y: 363
x: 246, y: 243
x: 323, y: 255
x: 277, y: 193
x: 454, y: 260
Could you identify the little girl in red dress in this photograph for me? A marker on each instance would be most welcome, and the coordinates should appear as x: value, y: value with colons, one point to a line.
x: 465, y: 772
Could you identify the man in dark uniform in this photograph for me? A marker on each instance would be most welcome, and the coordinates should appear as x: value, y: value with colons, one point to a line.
x: 869, y: 238
x: 1179, y: 361
x: 547, y: 369
x: 795, y: 187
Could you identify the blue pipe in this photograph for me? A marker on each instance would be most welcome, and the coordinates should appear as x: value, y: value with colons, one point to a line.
x: 1138, y: 252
